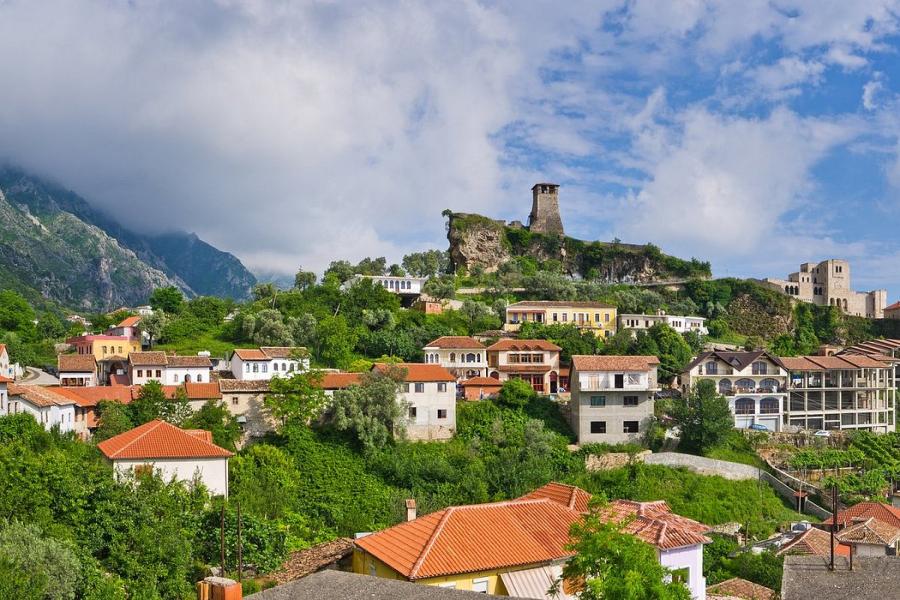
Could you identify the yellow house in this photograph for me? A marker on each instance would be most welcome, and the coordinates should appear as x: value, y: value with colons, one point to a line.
x: 596, y: 317
x: 104, y: 347
x: 499, y: 548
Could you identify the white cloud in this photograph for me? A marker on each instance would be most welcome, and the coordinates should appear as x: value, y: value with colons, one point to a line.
x: 786, y: 75
x: 850, y: 61
x: 870, y: 92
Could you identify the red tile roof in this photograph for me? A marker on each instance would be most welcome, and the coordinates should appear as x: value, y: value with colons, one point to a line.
x: 5, y: 379
x: 656, y: 524
x: 883, y: 512
x: 202, y: 391
x: 339, y: 381
x: 38, y: 395
x: 480, y: 537
x: 92, y: 395
x: 281, y: 351
x: 816, y: 542
x: 130, y: 321
x: 419, y: 372
x: 894, y: 306
x: 455, y: 341
x: 741, y: 589
x: 158, y: 439
x: 119, y: 379
x: 76, y: 363
x: 569, y: 496
x: 251, y: 354
x: 482, y: 382
x: 524, y: 345
x: 148, y: 359
x: 189, y: 361
x: 614, y: 363
x: 869, y: 531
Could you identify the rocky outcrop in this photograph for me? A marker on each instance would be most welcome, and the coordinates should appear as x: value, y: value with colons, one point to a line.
x: 748, y: 316
x: 477, y: 241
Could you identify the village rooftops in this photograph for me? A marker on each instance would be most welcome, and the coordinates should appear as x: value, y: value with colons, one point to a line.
x: 462, y: 342
x: 148, y: 359
x: 863, y: 510
x: 740, y: 589
x: 556, y: 304
x: 418, y: 372
x: 39, y: 395
x: 282, y: 351
x: 614, y: 363
x: 826, y: 363
x: 518, y: 345
x: 241, y: 385
x: 130, y: 321
x: 76, y: 363
x: 338, y: 585
x: 869, y: 531
x: 873, y: 347
x: 570, y: 496
x: 158, y: 439
x: 815, y: 542
x: 339, y: 381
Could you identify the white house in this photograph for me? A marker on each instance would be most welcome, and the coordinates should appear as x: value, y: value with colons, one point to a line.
x: 261, y: 364
x: 463, y: 356
x: 144, y: 367
x: 184, y: 455
x: 430, y: 395
x: 77, y: 370
x: 680, y: 323
x: 7, y: 369
x: 404, y: 286
x: 47, y: 407
x: 4, y: 394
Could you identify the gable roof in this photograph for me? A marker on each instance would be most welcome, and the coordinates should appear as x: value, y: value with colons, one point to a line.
x: 251, y: 354
x: 814, y: 541
x: 188, y: 361
x: 130, y: 321
x: 339, y: 381
x: 742, y: 589
x: 869, y: 531
x: 240, y: 385
x: 463, y: 342
x: 419, y: 372
x: 281, y: 351
x: 508, y: 344
x: 894, y: 306
x: 738, y: 360
x: 481, y: 381
x: 87, y: 396
x: 614, y: 363
x: 2, y: 348
x: 76, y: 363
x: 558, y: 304
x: 479, y: 537
x: 202, y: 391
x: 158, y: 439
x: 570, y: 496
x: 38, y: 395
x: 863, y: 510
x: 656, y: 524
x: 5, y: 379
x: 148, y: 359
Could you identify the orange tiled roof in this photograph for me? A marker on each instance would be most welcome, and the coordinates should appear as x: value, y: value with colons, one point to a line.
x: 479, y: 537
x: 482, y: 381
x: 883, y: 512
x: 158, y: 439
x: 869, y: 531
x: 202, y: 391
x: 92, y: 395
x: 130, y: 321
x: 148, y: 359
x: 281, y: 351
x: 614, y: 363
x: 816, y: 542
x: 570, y: 496
x: 455, y: 341
x: 419, y: 372
x: 5, y: 379
x: 188, y: 361
x: 76, y: 363
x: 251, y: 354
x: 742, y: 589
x: 656, y: 524
x: 339, y: 381
x: 523, y: 345
x: 39, y: 395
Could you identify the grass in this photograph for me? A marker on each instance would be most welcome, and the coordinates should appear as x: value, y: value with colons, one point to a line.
x: 731, y: 337
x: 207, y: 341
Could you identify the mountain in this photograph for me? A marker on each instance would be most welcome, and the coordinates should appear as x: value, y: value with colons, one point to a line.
x: 54, y: 242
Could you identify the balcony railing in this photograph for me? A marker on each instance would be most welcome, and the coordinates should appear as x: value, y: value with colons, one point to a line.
x: 748, y: 391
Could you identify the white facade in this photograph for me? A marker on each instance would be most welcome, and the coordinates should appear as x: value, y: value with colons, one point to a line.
x: 405, y: 286
x: 213, y: 472
x: 680, y: 323
x: 143, y: 374
x: 8, y: 369
x: 50, y: 415
x: 431, y: 409
x: 77, y: 379
x: 264, y: 368
x: 686, y: 561
x: 464, y: 363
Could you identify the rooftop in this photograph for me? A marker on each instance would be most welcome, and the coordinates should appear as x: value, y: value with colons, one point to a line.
x: 483, y: 381
x: 339, y: 381
x: 39, y: 396
x: 282, y: 351
x: 509, y: 344
x: 557, y: 304
x: 863, y: 510
x: 238, y: 385
x: 148, y: 359
x: 741, y: 588
x: 76, y: 363
x: 463, y: 342
x: 419, y: 372
x: 130, y: 321
x: 614, y: 363
x: 158, y: 439
x: 869, y: 531
x: 809, y: 578
x: 813, y: 542
x: 337, y: 585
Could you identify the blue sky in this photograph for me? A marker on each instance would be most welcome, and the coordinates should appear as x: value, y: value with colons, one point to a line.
x: 754, y: 134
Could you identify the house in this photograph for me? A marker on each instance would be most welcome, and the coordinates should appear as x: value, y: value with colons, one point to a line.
x: 534, y: 361
x: 128, y: 327
x: 144, y: 310
x: 828, y: 284
x: 864, y: 510
x: 261, y: 364
x: 612, y: 397
x: 429, y: 392
x: 739, y: 589
x: 4, y: 395
x: 811, y: 578
x: 105, y: 346
x: 479, y: 388
x: 77, y: 370
x: 596, y: 317
x: 46, y: 406
x: 144, y: 367
x: 840, y: 392
x: 176, y: 453
x: 753, y: 382
x: 7, y: 369
x: 87, y: 399
x: 338, y: 585
x: 246, y: 401
x: 463, y: 356
x: 813, y: 542
x: 334, y: 381
x: 680, y: 323
x: 408, y: 287
x: 196, y: 394
x: 870, y: 537
x: 506, y: 547
x: 892, y: 311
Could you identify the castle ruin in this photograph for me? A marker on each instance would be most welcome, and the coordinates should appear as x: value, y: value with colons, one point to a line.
x: 544, y: 217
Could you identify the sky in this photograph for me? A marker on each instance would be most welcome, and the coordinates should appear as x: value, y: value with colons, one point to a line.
x: 756, y: 134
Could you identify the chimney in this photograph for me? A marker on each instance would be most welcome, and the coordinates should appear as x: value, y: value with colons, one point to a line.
x: 219, y: 588
x: 410, y: 509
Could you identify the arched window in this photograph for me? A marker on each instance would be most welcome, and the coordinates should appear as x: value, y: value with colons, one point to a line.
x: 453, y: 357
x: 470, y: 357
x: 768, y: 406
x: 744, y: 406
x: 769, y: 384
x: 724, y: 386
x: 745, y: 385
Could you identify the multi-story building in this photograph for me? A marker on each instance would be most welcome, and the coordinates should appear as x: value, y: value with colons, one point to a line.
x: 77, y: 370
x: 429, y: 392
x: 403, y: 286
x: 46, y: 406
x: 828, y: 284
x: 596, y: 317
x: 535, y: 361
x: 753, y: 382
x: 612, y: 397
x: 680, y: 323
x: 105, y: 347
x: 892, y: 311
x: 840, y: 392
x: 261, y: 364
x: 463, y: 356
x: 144, y: 367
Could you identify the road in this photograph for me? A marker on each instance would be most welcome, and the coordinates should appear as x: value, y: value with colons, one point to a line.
x: 35, y: 376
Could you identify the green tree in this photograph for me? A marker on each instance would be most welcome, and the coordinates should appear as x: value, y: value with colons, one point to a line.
x: 673, y: 351
x: 545, y: 285
x: 515, y: 393
x: 570, y: 338
x: 610, y: 564
x: 47, y: 562
x: 372, y: 411
x: 114, y: 418
x: 267, y: 328
x: 440, y: 287
x: 341, y: 270
x: 50, y: 326
x: 298, y: 399
x: 304, y: 280
x: 15, y: 312
x: 702, y: 417
x: 334, y: 342
x: 167, y: 299
x: 215, y: 417
x: 264, y: 479
x: 149, y: 405
x: 154, y: 324
x: 427, y: 264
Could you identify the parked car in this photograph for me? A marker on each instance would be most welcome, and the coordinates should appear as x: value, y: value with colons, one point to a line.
x: 759, y: 427
x: 822, y: 433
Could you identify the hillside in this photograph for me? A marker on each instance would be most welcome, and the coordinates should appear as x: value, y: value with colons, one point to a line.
x: 53, y: 242
x: 480, y: 242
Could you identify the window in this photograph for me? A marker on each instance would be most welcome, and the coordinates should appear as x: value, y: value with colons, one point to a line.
x: 630, y: 427
x: 760, y: 368
x: 555, y: 317
x: 120, y: 349
x: 442, y: 387
x: 412, y: 412
x: 630, y: 401
x: 199, y: 378
x: 104, y: 350
x: 480, y: 585
x: 712, y: 368
x: 234, y: 400
x: 158, y: 374
x: 255, y: 367
x: 442, y: 413
x: 744, y: 406
x: 619, y: 380
x: 406, y: 387
x: 606, y: 317
x: 420, y: 388
x: 265, y: 368
x: 176, y: 378
x: 681, y: 575
x: 140, y: 373
x: 247, y: 367
x: 598, y: 426
x: 598, y: 401
x: 453, y: 357
x: 565, y: 317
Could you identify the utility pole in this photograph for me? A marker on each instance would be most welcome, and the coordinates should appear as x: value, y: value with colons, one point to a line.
x: 240, y: 555
x: 222, y: 541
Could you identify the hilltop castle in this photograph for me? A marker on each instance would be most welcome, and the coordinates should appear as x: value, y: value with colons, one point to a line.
x: 828, y: 284
x: 544, y: 217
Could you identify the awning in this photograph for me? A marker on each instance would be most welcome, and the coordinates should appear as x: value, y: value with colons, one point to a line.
x: 534, y: 583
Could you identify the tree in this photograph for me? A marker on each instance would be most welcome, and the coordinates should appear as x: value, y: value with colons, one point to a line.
x: 49, y: 563
x: 440, y: 287
x: 371, y: 411
x: 267, y: 328
x: 298, y: 399
x: 15, y: 312
x: 304, y: 280
x: 610, y: 564
x: 570, y: 338
x: 152, y: 403
x: 341, y: 270
x: 154, y: 324
x: 168, y: 299
x: 214, y: 417
x: 396, y: 270
x: 50, y: 326
x: 334, y: 342
x: 545, y: 285
x: 265, y: 291
x: 114, y: 418
x: 673, y: 351
x: 264, y: 480
x: 427, y: 264
x: 702, y: 417
x: 515, y: 393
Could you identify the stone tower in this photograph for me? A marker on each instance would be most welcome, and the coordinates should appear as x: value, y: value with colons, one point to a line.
x: 544, y: 216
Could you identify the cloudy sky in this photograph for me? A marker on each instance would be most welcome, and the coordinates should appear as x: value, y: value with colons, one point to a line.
x: 754, y: 134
